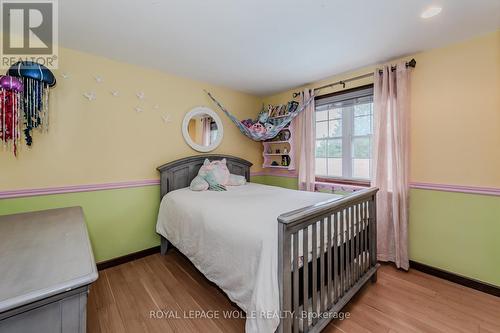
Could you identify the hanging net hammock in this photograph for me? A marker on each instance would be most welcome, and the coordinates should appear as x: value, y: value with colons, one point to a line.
x: 263, y: 130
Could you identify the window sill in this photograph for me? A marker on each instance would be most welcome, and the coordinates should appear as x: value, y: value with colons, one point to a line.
x: 340, y: 181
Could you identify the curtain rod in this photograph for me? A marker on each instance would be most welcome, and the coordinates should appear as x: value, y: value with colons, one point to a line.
x: 412, y: 63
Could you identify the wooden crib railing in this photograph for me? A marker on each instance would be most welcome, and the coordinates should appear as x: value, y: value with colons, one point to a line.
x: 344, y: 233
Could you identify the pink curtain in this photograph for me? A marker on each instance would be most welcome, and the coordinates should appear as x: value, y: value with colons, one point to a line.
x: 304, y: 143
x: 391, y: 162
x: 205, y: 134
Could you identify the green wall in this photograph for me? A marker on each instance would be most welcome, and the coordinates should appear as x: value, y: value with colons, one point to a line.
x: 287, y: 182
x: 457, y: 232
x: 119, y: 221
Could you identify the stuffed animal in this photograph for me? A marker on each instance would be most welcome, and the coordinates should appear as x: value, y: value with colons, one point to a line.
x: 215, y: 176
x: 292, y: 106
x: 263, y: 117
x: 218, y: 168
x: 213, y: 184
x: 269, y: 127
x: 258, y: 128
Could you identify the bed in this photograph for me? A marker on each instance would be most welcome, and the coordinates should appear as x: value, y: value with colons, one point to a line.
x: 290, y: 259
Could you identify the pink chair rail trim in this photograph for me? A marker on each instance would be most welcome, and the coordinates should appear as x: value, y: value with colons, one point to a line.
x: 457, y: 188
x: 150, y: 182
x: 76, y: 188
x: 416, y: 185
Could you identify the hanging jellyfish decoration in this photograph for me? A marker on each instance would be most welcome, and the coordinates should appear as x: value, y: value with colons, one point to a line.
x: 11, y: 89
x: 36, y: 79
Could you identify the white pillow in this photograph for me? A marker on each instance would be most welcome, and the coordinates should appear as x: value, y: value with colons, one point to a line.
x: 236, y: 180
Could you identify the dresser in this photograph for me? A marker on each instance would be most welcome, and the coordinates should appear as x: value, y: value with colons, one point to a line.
x: 46, y: 268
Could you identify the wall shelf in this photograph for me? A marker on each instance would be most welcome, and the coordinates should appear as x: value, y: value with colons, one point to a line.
x: 268, y: 154
x: 275, y: 166
x: 270, y: 147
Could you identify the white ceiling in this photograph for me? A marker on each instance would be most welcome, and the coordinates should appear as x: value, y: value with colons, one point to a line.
x: 262, y: 47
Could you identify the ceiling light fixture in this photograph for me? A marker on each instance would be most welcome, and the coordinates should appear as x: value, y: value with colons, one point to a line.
x: 430, y: 12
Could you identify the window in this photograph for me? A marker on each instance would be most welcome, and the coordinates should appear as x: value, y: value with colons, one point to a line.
x: 344, y: 128
x: 213, y: 131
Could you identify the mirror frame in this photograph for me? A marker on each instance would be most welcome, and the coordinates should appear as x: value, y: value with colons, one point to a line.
x: 199, y: 110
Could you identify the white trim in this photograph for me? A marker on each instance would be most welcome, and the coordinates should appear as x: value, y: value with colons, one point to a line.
x: 200, y: 110
x: 347, y: 129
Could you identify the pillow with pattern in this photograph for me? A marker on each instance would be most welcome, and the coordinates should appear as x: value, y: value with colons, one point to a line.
x: 218, y: 168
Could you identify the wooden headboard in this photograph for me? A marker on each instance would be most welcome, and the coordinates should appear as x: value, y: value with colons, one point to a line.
x: 179, y: 174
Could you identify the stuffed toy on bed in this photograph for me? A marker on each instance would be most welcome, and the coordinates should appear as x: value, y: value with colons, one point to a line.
x: 213, y: 185
x: 215, y: 176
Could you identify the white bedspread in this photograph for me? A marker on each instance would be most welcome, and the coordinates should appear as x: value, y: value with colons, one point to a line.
x: 232, y: 238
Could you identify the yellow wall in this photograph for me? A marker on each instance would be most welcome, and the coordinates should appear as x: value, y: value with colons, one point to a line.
x: 106, y: 140
x: 455, y: 112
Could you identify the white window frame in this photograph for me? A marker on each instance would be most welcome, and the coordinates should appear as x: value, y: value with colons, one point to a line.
x: 347, y: 131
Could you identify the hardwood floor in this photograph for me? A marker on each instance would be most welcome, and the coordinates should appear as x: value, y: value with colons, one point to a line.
x: 130, y: 297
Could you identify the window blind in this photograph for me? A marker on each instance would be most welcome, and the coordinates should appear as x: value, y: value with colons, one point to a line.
x: 360, y: 96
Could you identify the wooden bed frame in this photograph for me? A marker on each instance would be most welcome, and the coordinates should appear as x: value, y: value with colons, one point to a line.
x: 340, y: 270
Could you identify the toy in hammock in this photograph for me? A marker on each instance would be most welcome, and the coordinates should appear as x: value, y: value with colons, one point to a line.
x: 11, y: 89
x: 264, y: 128
x: 37, y: 79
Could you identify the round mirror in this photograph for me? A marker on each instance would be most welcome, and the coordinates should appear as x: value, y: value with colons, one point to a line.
x: 202, y: 129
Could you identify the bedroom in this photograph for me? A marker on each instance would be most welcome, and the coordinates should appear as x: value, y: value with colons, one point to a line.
x: 128, y: 120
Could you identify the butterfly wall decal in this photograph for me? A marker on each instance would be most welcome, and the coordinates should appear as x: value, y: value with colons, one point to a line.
x: 91, y: 96
x: 166, y: 118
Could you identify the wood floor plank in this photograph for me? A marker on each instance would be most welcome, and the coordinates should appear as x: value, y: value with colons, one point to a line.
x: 176, y: 287
x: 433, y: 307
x: 206, y: 296
x: 203, y: 296
x: 164, y: 299
x: 386, y: 302
x: 407, y: 302
x: 133, y: 302
x: 463, y: 308
x: 108, y: 316
x: 449, y: 289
